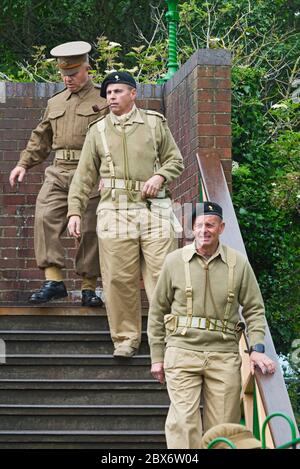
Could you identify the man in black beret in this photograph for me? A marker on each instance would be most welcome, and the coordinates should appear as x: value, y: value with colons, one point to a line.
x: 117, y: 78
x: 136, y: 157
x: 194, y: 329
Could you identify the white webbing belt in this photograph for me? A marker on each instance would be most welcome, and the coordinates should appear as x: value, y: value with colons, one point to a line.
x: 116, y: 183
x: 205, y: 323
x: 67, y: 154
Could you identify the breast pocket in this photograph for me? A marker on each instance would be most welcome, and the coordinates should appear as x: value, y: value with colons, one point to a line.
x: 56, y: 118
x: 84, y: 116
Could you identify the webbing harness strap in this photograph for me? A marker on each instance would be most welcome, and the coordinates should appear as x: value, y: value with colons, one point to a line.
x: 101, y: 128
x: 188, y: 288
x: 231, y: 262
x: 152, y: 120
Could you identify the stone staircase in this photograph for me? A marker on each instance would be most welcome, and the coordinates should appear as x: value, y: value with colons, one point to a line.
x: 61, y: 387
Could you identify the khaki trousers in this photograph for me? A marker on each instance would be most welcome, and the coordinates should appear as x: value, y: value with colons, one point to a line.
x: 131, y: 243
x: 188, y: 373
x: 51, y: 222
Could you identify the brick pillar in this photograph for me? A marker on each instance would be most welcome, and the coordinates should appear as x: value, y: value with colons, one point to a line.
x: 198, y: 108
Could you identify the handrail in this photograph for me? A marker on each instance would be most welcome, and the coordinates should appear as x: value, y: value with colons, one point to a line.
x: 271, y: 387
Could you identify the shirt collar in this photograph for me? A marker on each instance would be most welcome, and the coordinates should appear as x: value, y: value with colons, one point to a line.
x: 83, y: 91
x: 219, y: 252
x: 130, y: 118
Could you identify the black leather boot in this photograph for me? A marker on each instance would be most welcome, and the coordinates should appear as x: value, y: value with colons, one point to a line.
x: 50, y: 290
x: 89, y: 298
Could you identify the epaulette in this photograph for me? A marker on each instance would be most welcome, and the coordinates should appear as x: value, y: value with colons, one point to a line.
x: 96, y: 85
x: 155, y: 113
x: 96, y: 120
x: 58, y: 92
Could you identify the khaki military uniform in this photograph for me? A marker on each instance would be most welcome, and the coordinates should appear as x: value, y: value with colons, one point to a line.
x: 63, y: 129
x: 134, y: 234
x: 194, y: 328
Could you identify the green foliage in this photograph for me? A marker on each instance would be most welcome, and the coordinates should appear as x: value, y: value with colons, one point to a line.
x: 266, y: 196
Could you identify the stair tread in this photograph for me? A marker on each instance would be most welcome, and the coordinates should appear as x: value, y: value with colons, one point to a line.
x: 67, y: 355
x: 81, y: 432
x: 117, y: 381
x: 54, y: 332
x: 80, y: 406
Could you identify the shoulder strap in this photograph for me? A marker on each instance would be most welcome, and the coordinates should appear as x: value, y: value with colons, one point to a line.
x: 231, y: 262
x: 152, y: 121
x: 188, y: 287
x: 101, y: 127
x: 58, y: 92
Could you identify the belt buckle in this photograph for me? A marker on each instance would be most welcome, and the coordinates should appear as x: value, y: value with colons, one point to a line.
x: 67, y: 153
x: 212, y: 324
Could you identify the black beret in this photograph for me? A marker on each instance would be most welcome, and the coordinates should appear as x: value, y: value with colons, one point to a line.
x: 207, y: 208
x: 117, y: 77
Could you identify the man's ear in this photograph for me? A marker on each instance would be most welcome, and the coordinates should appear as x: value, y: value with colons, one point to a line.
x: 222, y: 227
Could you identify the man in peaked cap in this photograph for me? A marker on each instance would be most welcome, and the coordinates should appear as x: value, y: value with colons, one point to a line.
x: 63, y: 129
x: 237, y: 434
x: 194, y: 329
x: 136, y: 156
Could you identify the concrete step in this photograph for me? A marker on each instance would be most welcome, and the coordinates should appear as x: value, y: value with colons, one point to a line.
x: 83, y: 392
x: 92, y: 367
x: 61, y: 342
x: 52, y: 318
x: 83, y: 417
x: 136, y: 439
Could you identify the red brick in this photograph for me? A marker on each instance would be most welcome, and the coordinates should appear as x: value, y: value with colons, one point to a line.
x: 223, y: 84
x: 204, y: 83
x: 224, y: 72
x: 206, y: 71
x: 222, y: 118
x: 13, y: 199
x: 32, y: 274
x: 223, y: 95
x: 204, y: 95
x: 206, y: 142
x: 223, y: 142
x: 214, y: 129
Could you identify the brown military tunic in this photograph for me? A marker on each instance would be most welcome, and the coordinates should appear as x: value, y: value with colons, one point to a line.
x: 63, y: 127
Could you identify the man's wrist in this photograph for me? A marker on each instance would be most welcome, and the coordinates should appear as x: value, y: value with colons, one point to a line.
x: 260, y: 348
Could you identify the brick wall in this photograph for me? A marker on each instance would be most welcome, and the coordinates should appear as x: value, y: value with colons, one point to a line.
x: 196, y: 102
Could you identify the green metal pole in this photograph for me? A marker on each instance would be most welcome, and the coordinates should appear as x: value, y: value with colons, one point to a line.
x: 172, y: 16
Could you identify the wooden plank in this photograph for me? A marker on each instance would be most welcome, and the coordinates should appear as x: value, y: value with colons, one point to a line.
x: 261, y: 418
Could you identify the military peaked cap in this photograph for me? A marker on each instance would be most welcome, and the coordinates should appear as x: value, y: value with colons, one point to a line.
x: 71, y: 56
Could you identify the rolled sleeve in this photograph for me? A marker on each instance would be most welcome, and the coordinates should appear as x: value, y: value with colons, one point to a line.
x: 39, y: 145
x: 169, y: 154
x: 160, y: 305
x: 250, y: 299
x: 85, y: 177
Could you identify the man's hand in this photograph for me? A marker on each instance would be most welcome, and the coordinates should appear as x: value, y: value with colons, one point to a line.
x: 157, y: 370
x: 17, y: 173
x: 152, y: 186
x: 101, y: 185
x: 263, y: 362
x: 74, y: 226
